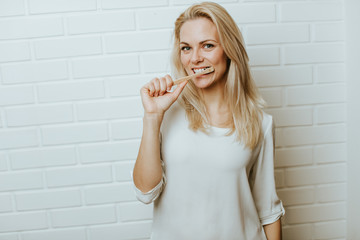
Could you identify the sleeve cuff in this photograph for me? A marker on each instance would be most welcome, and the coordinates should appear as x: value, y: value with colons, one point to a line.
x: 149, y: 196
x: 273, y: 217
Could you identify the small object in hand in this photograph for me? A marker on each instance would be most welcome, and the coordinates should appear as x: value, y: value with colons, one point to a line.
x: 206, y: 71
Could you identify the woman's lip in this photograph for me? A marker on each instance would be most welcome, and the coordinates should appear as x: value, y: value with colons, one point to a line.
x: 201, y: 67
x: 196, y: 68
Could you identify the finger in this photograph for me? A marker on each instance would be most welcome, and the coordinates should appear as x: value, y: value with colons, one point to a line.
x: 178, y: 90
x: 156, y: 83
x: 163, y: 86
x: 151, y: 89
x: 169, y: 82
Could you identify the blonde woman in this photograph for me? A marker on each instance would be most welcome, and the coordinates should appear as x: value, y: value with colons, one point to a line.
x: 206, y: 154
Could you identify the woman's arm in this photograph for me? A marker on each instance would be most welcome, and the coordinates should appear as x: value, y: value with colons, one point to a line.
x: 156, y: 99
x: 147, y: 170
x: 273, y: 230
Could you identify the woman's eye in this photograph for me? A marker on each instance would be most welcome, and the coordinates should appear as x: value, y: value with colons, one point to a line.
x: 185, y: 48
x: 208, y: 45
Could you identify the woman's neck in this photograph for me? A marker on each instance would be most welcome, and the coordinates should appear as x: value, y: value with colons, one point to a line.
x: 217, y: 108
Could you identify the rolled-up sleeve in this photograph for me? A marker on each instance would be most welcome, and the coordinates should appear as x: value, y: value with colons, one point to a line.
x: 154, y: 193
x: 262, y: 181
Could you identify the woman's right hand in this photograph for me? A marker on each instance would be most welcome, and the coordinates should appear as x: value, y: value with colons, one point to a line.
x: 155, y: 95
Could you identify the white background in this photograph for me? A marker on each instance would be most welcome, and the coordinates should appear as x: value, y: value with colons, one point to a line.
x: 70, y: 112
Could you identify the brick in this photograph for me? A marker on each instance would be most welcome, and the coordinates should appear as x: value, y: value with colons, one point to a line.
x: 291, y: 157
x: 39, y: 115
x: 129, y: 129
x: 136, y: 230
x: 134, y: 42
x: 316, y: 94
x: 135, y: 211
x: 70, y: 91
x: 111, y: 4
x: 109, y: 152
x: 35, y: 72
x: 6, y: 204
x: 312, y: 11
x: 23, y: 222
x: 264, y: 56
x: 78, y: 176
x: 243, y: 13
x: 279, y: 141
x: 277, y: 34
x: 20, y: 181
x: 123, y: 170
x: 8, y: 236
x: 68, y: 234
x: 292, y: 116
x: 109, y: 194
x: 101, y: 22
x: 14, y: 51
x: 43, y: 6
x: 12, y: 8
x: 18, y: 138
x: 331, y: 193
x: 16, y: 95
x: 314, y: 135
x: 327, y: 32
x: 315, y: 213
x: 83, y: 216
x: 297, y: 196
x: 44, y: 157
x: 330, y: 230
x: 3, y: 162
x: 75, y: 133
x: 285, y: 76
x: 297, y: 232
x: 314, y: 53
x: 330, y: 153
x: 330, y: 73
x: 156, y: 62
x: 106, y: 66
x: 109, y: 109
x: 315, y: 175
x: 126, y: 86
x: 31, y: 27
x: 272, y: 97
x: 68, y: 47
x: 331, y: 114
x: 279, y: 178
x: 158, y: 18
x: 47, y: 200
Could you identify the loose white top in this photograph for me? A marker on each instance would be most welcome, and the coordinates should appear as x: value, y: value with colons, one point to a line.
x: 213, y: 187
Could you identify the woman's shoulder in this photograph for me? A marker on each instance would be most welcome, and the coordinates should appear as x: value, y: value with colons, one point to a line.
x: 267, y: 122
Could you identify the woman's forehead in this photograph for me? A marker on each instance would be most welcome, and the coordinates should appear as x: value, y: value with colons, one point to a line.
x: 198, y: 30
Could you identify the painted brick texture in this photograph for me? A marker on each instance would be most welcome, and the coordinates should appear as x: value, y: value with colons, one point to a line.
x: 70, y: 111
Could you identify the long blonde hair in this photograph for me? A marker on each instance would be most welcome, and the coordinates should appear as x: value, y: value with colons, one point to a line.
x: 243, y: 98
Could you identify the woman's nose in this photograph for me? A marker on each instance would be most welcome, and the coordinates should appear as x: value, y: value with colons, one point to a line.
x: 196, y: 56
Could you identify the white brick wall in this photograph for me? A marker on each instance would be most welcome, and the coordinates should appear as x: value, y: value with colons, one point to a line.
x: 70, y: 112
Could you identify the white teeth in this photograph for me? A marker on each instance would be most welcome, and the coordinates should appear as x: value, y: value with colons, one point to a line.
x: 200, y: 70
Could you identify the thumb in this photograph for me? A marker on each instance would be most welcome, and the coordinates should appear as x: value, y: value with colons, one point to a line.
x: 175, y: 94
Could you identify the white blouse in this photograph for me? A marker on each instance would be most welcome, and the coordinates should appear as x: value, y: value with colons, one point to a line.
x: 213, y: 187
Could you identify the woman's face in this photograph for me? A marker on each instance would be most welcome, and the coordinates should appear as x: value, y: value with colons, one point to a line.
x: 200, y: 48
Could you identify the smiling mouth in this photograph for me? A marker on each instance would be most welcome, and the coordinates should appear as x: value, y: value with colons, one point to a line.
x: 199, y: 70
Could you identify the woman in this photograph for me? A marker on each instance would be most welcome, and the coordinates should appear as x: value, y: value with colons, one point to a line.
x: 207, y: 164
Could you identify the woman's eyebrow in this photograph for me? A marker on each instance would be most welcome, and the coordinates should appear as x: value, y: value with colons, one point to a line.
x: 200, y: 42
x: 207, y: 40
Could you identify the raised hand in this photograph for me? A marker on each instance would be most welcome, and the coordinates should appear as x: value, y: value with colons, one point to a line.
x: 156, y: 97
